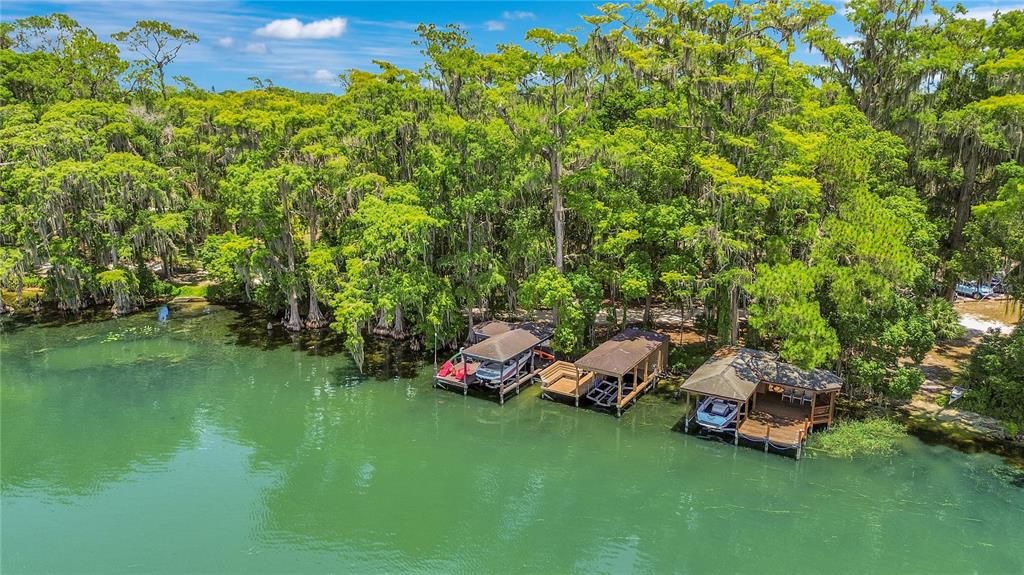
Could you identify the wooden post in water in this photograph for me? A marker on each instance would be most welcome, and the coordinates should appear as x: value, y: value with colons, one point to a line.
x: 618, y: 400
x: 686, y: 421
x: 465, y: 371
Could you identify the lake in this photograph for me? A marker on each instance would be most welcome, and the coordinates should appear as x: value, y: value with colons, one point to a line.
x: 201, y: 445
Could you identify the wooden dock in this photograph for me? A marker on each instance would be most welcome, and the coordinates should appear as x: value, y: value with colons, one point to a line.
x: 463, y: 384
x: 561, y: 378
x: 449, y: 382
x: 516, y: 385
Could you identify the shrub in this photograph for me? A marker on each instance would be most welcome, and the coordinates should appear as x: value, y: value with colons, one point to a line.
x: 872, y: 436
x: 191, y: 291
x: 904, y: 382
x: 34, y: 281
x: 994, y: 377
x: 944, y: 319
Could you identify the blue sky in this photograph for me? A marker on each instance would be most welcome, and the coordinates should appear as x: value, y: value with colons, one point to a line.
x: 305, y: 45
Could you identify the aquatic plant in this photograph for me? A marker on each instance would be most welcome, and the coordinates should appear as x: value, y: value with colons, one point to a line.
x: 875, y: 436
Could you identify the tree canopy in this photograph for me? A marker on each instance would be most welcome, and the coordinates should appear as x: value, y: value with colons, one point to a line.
x: 671, y: 151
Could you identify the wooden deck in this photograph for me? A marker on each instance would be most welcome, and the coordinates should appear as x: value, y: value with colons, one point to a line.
x: 459, y: 383
x: 559, y: 378
x: 779, y: 423
x: 513, y: 385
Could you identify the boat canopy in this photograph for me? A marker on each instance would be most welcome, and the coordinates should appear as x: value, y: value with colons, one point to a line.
x: 507, y: 345
x: 620, y: 354
x: 491, y: 328
x: 734, y: 373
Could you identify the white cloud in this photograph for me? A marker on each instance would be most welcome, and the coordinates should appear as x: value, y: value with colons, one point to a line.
x: 324, y: 77
x: 987, y: 13
x: 494, y: 25
x: 850, y: 39
x: 294, y: 29
x: 255, y: 48
x: 518, y: 15
x: 226, y: 42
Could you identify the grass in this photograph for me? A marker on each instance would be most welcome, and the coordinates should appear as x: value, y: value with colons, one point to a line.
x: 191, y: 291
x: 873, y: 436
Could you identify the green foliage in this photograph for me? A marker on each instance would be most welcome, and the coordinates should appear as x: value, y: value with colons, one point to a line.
x: 674, y: 154
x: 786, y: 308
x: 994, y: 377
x: 552, y: 290
x: 945, y: 322
x: 873, y: 437
x: 905, y: 382
x: 202, y: 291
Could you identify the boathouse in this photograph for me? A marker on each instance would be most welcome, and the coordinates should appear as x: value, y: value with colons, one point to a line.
x: 751, y: 395
x: 491, y: 328
x: 612, y: 376
x: 510, y: 356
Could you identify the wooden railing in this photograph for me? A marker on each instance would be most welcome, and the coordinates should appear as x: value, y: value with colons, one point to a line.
x: 820, y: 413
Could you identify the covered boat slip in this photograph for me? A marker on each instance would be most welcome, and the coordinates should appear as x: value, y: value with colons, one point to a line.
x: 611, y: 376
x: 509, y: 356
x: 486, y: 329
x: 751, y: 395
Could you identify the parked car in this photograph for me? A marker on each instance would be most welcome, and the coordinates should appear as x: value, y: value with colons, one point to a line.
x: 973, y: 290
x: 494, y: 372
x: 998, y: 283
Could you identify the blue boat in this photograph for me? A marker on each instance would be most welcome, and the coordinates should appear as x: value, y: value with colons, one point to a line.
x: 716, y: 413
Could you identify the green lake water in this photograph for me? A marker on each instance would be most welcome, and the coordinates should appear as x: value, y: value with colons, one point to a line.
x: 200, y: 446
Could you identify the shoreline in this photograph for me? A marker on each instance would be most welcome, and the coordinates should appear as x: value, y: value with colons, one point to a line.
x: 965, y: 431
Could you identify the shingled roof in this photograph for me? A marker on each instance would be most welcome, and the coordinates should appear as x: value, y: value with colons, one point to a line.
x: 504, y: 346
x: 734, y: 373
x: 620, y: 354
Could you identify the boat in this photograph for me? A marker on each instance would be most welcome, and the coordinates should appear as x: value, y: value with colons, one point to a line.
x: 493, y: 374
x: 956, y: 393
x: 716, y: 413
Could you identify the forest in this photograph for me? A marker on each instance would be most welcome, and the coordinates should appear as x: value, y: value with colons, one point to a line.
x: 664, y: 152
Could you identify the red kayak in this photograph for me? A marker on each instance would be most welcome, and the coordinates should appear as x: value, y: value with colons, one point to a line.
x: 446, y: 369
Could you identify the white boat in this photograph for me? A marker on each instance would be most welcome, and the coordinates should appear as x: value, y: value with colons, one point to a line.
x: 716, y: 413
x: 493, y: 374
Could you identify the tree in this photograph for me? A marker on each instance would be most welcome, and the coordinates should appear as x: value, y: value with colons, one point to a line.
x: 158, y: 43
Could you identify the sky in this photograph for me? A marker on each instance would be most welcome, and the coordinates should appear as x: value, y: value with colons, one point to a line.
x: 305, y: 45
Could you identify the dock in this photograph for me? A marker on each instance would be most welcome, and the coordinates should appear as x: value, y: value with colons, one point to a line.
x: 505, y: 349
x: 613, y: 375
x: 774, y: 404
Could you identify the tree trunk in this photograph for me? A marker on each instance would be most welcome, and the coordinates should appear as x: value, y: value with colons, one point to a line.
x: 963, y: 212
x: 398, y: 329
x: 293, y: 321
x: 734, y: 314
x: 555, y: 159
x: 163, y: 85
x: 113, y: 242
x: 648, y: 319
x: 963, y: 205
x: 469, y: 251
x: 315, y: 318
x: 557, y: 205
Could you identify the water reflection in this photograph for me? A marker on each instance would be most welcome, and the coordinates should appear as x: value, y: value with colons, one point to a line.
x: 275, y: 455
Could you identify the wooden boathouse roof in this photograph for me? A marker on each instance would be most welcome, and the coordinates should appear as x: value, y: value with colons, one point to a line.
x: 504, y: 346
x: 734, y: 373
x: 620, y: 354
x: 492, y: 328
